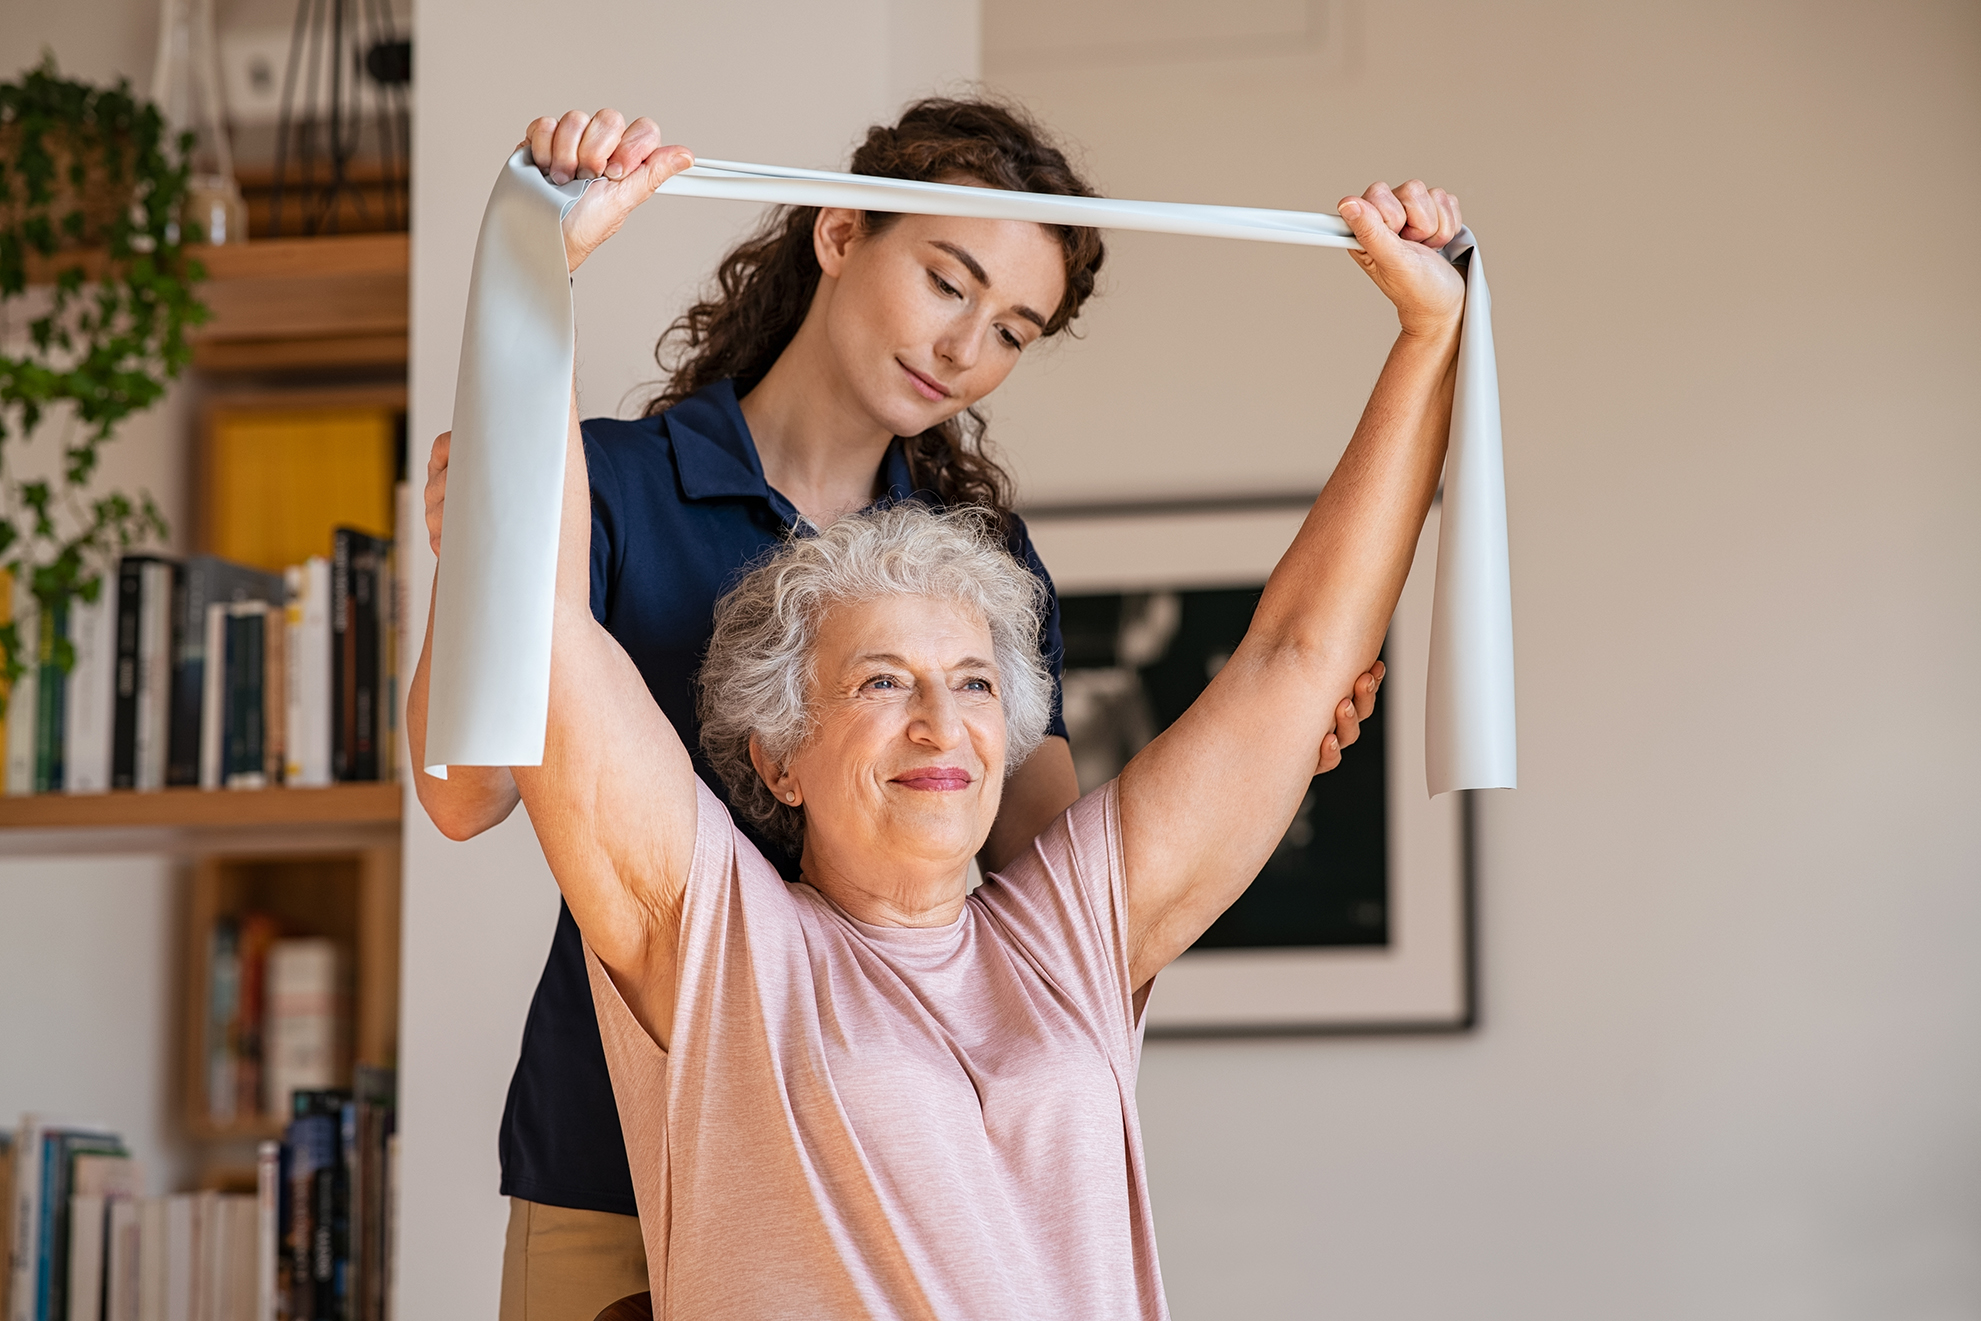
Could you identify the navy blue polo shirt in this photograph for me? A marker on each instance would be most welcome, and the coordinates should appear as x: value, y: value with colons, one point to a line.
x: 680, y: 509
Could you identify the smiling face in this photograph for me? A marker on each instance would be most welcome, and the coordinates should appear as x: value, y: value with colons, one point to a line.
x: 902, y: 775
x: 929, y: 314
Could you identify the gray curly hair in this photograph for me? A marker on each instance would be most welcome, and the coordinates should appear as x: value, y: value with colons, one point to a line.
x: 757, y: 677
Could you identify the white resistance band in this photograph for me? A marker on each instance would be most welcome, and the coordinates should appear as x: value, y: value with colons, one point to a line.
x: 493, y: 600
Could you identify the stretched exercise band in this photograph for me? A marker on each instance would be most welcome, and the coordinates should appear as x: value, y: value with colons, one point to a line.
x: 494, y: 597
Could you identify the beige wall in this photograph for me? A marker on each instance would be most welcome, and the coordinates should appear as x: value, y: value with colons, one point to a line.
x: 1728, y: 1065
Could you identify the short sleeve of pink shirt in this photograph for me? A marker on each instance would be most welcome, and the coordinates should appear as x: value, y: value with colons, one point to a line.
x: 862, y: 1121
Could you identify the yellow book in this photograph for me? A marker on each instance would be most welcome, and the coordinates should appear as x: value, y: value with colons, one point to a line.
x: 279, y: 480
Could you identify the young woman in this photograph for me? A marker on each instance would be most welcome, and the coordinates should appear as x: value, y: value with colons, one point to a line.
x: 836, y: 364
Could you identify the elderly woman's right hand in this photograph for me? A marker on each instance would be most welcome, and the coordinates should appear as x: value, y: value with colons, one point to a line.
x: 628, y: 159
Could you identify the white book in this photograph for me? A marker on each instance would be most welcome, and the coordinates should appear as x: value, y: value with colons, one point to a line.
x: 238, y: 1286
x: 87, y: 1216
x: 213, y: 697
x: 154, y: 724
x: 308, y: 749
x: 90, y: 695
x: 303, y: 1037
x: 153, y: 1258
x: 391, y: 1229
x: 96, y: 1184
x: 21, y: 715
x: 120, y: 1276
x: 268, y: 1228
x: 181, y: 1256
x: 209, y: 1256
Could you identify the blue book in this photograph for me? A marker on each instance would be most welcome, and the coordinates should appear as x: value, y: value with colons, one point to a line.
x: 59, y: 1148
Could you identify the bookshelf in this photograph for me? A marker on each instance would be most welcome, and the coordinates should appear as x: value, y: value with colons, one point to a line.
x: 350, y: 897
x: 296, y: 325
x: 333, y: 805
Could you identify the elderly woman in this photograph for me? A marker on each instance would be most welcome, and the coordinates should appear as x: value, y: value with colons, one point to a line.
x: 875, y: 1092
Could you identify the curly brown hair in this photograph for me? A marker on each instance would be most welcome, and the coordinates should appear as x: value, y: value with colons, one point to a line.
x: 764, y: 286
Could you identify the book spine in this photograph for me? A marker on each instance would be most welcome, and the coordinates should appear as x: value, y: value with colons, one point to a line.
x: 213, y: 697
x: 318, y: 689
x: 295, y: 582
x: 87, y: 734
x: 389, y: 1309
x: 52, y: 702
x: 124, y: 719
x: 121, y: 1268
x: 181, y: 1245
x: 188, y: 650
x: 343, y: 661
x: 268, y: 1227
x: 86, y: 1222
x: 223, y: 1005
x: 244, y: 700
x: 161, y: 588
x: 45, y: 1255
x: 23, y: 700
x: 365, y: 695
x: 275, y: 693
x: 26, y: 1193
x: 303, y: 1041
x: 387, y: 724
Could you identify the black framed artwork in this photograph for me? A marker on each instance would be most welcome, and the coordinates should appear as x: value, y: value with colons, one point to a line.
x: 1361, y: 920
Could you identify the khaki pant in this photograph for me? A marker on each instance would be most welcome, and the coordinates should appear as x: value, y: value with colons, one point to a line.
x: 565, y: 1265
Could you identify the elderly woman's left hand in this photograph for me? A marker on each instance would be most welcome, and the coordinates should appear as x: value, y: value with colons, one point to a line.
x: 1348, y: 718
x: 1402, y: 232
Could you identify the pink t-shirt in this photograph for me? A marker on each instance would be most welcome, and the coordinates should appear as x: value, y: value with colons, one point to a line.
x: 862, y: 1121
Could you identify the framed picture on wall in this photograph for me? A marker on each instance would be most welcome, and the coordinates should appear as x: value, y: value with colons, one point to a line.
x: 1361, y: 920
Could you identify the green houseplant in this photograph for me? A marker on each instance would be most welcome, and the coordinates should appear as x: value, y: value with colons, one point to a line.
x: 96, y: 296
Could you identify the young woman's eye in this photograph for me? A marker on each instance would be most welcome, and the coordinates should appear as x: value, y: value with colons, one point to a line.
x: 1011, y: 340
x: 944, y: 287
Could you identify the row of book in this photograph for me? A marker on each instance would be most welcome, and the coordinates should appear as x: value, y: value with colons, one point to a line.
x: 207, y: 673
x: 277, y: 1019
x: 313, y: 1242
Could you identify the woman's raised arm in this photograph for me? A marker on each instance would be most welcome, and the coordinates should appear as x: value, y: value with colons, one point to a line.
x: 614, y: 801
x: 1203, y: 805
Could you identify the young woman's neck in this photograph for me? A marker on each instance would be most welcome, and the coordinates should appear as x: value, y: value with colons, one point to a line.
x: 820, y: 448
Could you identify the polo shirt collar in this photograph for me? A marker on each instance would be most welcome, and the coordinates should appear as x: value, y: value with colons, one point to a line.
x: 713, y: 453
x: 716, y: 458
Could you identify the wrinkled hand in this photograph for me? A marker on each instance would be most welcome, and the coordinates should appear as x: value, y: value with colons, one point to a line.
x: 436, y: 488
x: 1348, y: 718
x: 1401, y: 232
x: 629, y: 158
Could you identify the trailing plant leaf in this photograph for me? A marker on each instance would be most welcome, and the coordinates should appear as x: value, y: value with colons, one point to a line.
x: 91, y: 185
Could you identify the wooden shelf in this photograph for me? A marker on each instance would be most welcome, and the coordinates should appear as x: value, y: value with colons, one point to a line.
x: 339, y: 804
x: 290, y: 304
